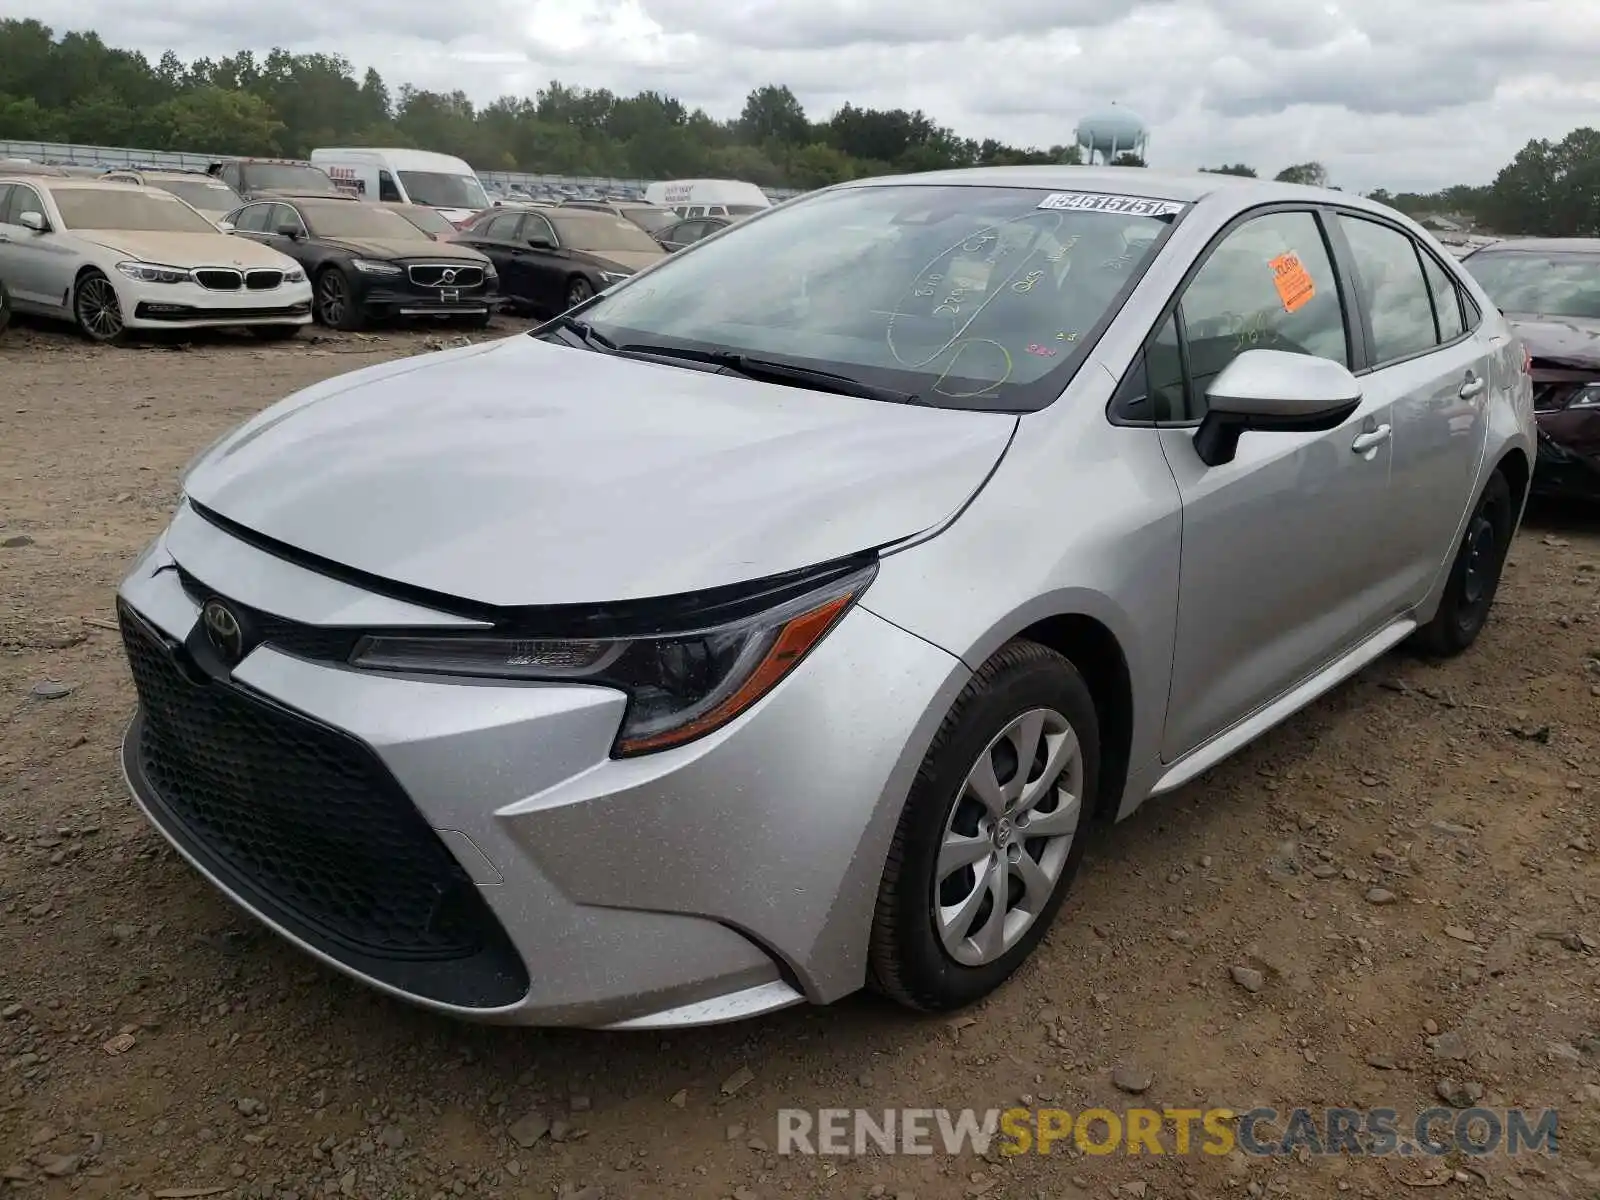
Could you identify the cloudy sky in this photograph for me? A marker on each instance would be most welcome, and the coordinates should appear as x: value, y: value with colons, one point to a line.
x: 1411, y: 94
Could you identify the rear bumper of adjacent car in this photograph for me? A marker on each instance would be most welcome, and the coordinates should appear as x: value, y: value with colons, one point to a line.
x: 473, y: 848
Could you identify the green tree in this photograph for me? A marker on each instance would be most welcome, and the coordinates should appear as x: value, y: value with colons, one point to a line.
x: 772, y: 114
x: 1312, y: 173
x: 214, y: 120
x: 1128, y: 159
x: 1239, y: 169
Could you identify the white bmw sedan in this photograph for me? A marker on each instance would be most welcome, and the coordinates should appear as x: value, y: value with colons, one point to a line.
x: 115, y: 257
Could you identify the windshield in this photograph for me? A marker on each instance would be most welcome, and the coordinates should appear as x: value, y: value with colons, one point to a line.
x: 354, y: 219
x: 964, y: 296
x: 208, y: 195
x: 1546, y: 283
x: 287, y: 177
x: 601, y: 232
x: 427, y: 220
x: 115, y: 208
x: 653, y: 220
x: 439, y: 190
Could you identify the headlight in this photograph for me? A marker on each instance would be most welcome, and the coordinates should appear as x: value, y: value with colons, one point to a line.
x: 1587, y: 397
x: 155, y: 272
x: 614, y: 276
x: 490, y: 273
x: 680, y: 686
x: 294, y: 276
x: 367, y: 266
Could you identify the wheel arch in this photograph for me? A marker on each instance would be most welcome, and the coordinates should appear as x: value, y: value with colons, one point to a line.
x: 1091, y: 646
x: 1514, y: 465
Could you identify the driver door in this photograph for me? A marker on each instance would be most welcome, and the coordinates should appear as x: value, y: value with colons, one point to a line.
x: 1284, y: 565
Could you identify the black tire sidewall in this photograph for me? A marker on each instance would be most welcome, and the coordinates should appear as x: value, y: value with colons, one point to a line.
x: 1454, y: 629
x: 5, y: 307
x: 573, y: 284
x: 353, y: 317
x: 1028, y: 677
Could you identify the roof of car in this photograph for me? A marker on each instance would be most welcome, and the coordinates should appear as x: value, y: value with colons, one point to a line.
x: 300, y: 197
x: 1545, y: 245
x: 1185, y: 187
x: 73, y: 182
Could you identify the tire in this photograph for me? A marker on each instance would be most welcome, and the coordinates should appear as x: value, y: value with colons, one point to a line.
x: 1474, y: 575
x: 579, y: 289
x: 335, y: 304
x: 908, y: 960
x: 275, y: 333
x: 96, y: 309
x: 5, y: 307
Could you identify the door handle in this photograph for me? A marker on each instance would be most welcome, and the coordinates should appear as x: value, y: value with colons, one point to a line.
x: 1472, y: 387
x: 1369, y: 441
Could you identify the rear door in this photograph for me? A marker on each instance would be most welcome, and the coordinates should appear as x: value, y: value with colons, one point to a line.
x: 1429, y: 357
x: 1276, y: 576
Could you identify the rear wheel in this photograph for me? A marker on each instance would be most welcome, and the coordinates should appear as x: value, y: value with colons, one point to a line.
x: 579, y: 289
x: 96, y: 309
x: 336, y: 305
x: 1474, y: 575
x: 991, y: 835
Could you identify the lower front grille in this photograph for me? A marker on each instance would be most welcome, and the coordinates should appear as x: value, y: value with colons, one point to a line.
x: 305, y: 823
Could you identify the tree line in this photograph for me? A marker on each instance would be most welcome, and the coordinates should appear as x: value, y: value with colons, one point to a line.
x: 75, y: 88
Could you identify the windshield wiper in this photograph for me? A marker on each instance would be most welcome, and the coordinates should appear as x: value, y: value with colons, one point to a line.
x: 582, y: 328
x: 771, y: 370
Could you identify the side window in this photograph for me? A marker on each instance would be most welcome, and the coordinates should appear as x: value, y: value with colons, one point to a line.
x: 233, y: 176
x: 23, y: 200
x: 386, y: 188
x: 283, y: 214
x: 5, y: 196
x: 1269, y: 285
x: 1393, y: 288
x: 503, y: 228
x: 1446, y: 299
x: 252, y: 218
x: 535, y: 226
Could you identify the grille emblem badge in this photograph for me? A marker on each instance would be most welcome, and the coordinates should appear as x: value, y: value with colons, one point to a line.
x: 223, y: 631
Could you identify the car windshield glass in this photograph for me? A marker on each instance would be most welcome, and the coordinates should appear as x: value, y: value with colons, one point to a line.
x: 1553, y: 284
x: 288, y: 177
x: 439, y: 190
x: 208, y: 195
x: 427, y: 220
x: 353, y: 219
x: 652, y: 219
x: 601, y: 232
x: 115, y: 208
x: 969, y: 297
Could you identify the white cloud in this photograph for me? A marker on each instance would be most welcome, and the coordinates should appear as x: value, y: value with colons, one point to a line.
x: 1391, y: 93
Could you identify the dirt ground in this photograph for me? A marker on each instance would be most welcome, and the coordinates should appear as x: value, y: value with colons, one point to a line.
x: 1409, y: 867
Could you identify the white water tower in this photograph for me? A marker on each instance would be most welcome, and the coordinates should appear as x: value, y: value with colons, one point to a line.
x: 1110, y: 132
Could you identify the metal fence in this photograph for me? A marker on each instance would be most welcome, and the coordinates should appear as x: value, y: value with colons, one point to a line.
x: 66, y: 154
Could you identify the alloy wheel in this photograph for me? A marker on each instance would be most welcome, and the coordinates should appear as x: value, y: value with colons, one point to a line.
x: 578, y: 292
x: 1007, y: 838
x: 332, y: 297
x: 98, y: 311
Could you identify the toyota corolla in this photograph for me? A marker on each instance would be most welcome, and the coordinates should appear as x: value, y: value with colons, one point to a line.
x: 781, y: 620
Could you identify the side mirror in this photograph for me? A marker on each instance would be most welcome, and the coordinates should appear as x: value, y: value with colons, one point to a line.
x: 1273, y: 391
x: 34, y: 221
x: 292, y: 232
x: 539, y: 243
x: 225, y: 226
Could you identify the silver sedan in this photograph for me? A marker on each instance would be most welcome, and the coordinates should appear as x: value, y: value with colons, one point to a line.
x: 780, y: 621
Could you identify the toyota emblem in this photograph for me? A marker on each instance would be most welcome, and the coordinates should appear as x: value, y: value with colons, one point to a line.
x: 223, y: 630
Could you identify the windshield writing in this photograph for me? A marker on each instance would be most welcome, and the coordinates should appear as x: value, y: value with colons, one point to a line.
x: 964, y: 296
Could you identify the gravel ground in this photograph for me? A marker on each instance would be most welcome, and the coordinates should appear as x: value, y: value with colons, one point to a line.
x: 1395, y: 897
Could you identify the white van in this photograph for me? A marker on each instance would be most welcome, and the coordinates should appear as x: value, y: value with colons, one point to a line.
x: 708, y: 197
x: 407, y: 177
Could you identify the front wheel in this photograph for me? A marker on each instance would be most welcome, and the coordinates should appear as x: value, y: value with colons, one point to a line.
x: 337, y: 306
x: 1474, y: 575
x: 991, y: 835
x: 96, y: 309
x: 579, y: 289
x: 5, y: 306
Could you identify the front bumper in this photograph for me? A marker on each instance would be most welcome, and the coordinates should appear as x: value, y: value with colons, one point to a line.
x: 188, y: 305
x: 1568, y: 457
x: 715, y: 881
x: 386, y: 298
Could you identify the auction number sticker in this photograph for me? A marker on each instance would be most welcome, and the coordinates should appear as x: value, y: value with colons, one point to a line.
x: 1294, y: 283
x: 1133, y: 206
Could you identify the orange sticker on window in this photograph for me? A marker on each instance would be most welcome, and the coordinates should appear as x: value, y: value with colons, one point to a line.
x: 1293, y: 281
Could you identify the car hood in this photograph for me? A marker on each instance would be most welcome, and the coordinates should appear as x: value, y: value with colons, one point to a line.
x: 410, y: 249
x: 632, y: 260
x: 187, y: 249
x: 1559, y: 341
x: 517, y: 472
